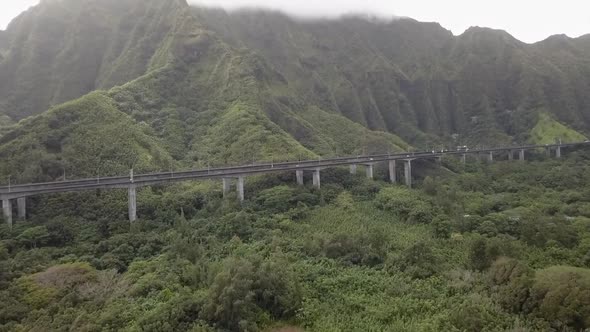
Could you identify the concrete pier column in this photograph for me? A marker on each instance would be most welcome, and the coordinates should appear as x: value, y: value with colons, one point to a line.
x: 510, y: 155
x: 22, y: 207
x: 316, y: 178
x: 491, y: 157
x: 132, y: 203
x: 439, y: 160
x: 369, y: 169
x: 521, y: 155
x: 226, y: 186
x: 464, y: 158
x: 558, y: 152
x: 408, y: 172
x: 352, y: 169
x: 299, y: 175
x: 7, y: 211
x: 240, y: 188
x: 392, y: 174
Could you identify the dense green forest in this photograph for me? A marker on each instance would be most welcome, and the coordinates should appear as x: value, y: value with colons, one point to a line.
x: 481, y: 247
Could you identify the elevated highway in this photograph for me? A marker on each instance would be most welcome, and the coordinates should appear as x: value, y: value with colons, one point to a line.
x: 21, y: 191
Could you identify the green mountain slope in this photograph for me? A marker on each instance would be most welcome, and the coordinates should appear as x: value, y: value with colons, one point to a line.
x: 214, y: 88
x: 207, y: 103
x: 86, y: 137
x: 548, y: 131
x: 225, y: 105
x: 405, y: 76
x: 61, y: 50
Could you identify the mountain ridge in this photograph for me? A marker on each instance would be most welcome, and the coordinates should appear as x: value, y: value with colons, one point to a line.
x: 206, y: 103
x: 218, y: 87
x: 428, y: 58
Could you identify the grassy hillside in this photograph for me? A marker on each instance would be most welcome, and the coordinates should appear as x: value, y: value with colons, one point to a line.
x: 5, y: 123
x: 548, y: 131
x: 84, y: 138
x: 335, y: 135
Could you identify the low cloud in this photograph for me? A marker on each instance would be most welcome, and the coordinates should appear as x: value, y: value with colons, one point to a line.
x: 542, y: 19
x: 9, y: 9
x: 308, y: 8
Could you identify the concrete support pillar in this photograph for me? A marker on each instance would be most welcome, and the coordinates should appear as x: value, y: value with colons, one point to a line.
x: 464, y: 158
x: 510, y: 155
x: 369, y: 169
x: 132, y: 203
x: 299, y: 175
x: 316, y: 178
x: 226, y: 186
x: 521, y: 155
x: 392, y: 174
x: 408, y: 173
x: 490, y: 157
x: 439, y: 160
x: 22, y: 207
x: 240, y: 188
x: 352, y: 169
x: 7, y: 211
x: 558, y: 152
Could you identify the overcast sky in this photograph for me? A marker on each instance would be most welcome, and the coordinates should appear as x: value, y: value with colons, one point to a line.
x: 527, y: 20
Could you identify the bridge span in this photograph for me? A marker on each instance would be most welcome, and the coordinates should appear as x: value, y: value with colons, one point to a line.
x: 227, y: 174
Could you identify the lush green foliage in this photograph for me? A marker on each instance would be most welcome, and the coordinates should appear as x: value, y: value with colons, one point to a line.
x: 548, y: 131
x: 87, y: 137
x: 475, y: 248
x: 355, y: 255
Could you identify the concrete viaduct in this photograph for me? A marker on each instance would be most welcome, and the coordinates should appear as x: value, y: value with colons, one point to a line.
x: 227, y: 174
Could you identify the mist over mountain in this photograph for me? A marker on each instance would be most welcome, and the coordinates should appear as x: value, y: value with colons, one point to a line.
x: 306, y: 10
x: 425, y: 64
x: 283, y: 86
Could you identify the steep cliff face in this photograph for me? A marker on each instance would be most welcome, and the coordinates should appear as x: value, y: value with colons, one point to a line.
x: 413, y: 78
x: 61, y: 50
x: 201, y: 100
x: 210, y: 87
